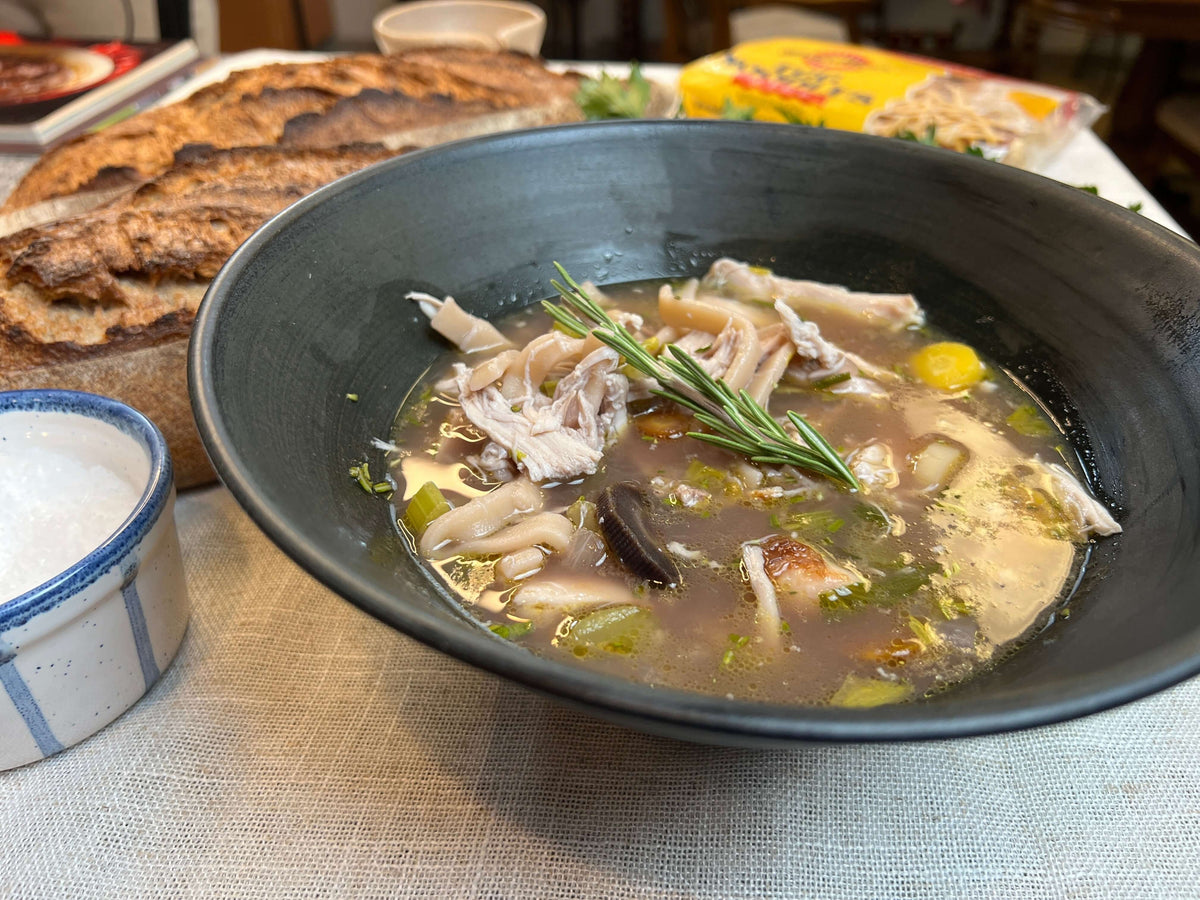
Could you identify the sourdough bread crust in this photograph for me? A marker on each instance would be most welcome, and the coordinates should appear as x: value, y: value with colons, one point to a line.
x: 253, y: 107
x: 151, y: 379
x: 104, y: 301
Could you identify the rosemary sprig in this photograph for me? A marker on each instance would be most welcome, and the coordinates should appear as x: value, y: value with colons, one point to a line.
x: 735, y: 420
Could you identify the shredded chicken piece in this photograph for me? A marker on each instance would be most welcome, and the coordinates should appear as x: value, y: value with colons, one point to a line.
x: 873, y: 466
x: 748, y: 283
x: 817, y: 358
x: 554, y: 438
x: 695, y: 342
x: 469, y: 333
x: 1086, y: 514
x: 481, y: 516
x: 735, y: 353
x: 494, y: 463
x: 690, y: 495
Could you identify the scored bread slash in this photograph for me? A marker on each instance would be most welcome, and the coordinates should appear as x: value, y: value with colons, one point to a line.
x: 55, y: 209
x: 562, y: 110
x: 342, y: 100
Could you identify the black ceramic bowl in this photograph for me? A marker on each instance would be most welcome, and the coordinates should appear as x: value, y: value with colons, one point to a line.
x: 1095, y: 308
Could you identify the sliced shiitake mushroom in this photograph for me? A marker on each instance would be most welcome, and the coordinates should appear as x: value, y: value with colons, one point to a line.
x: 622, y: 513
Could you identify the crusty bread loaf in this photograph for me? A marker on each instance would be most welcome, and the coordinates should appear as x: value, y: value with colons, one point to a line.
x: 254, y: 107
x: 104, y: 300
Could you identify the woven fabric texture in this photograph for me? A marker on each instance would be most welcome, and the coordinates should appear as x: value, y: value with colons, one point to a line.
x: 299, y: 748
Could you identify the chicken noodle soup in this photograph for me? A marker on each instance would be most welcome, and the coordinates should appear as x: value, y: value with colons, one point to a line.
x: 550, y: 485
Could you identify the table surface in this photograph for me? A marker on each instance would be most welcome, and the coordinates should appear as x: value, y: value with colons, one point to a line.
x: 299, y: 748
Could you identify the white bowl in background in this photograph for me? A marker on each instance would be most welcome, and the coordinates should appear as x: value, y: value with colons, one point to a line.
x: 81, y: 645
x: 485, y: 24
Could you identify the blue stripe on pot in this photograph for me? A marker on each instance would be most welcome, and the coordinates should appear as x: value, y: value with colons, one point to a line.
x: 27, y: 707
x: 137, y: 622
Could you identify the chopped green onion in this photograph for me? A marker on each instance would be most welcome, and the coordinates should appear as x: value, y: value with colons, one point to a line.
x: 829, y: 381
x: 353, y: 398
x: 361, y: 473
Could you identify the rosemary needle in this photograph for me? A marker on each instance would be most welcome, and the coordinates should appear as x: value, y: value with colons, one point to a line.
x: 736, y: 421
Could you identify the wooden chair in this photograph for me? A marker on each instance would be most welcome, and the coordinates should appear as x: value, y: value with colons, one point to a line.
x: 1178, y: 119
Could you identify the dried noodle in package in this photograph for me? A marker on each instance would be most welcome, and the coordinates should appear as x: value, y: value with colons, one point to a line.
x: 892, y: 94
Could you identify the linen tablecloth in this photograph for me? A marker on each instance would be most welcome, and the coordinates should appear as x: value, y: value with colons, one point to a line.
x: 299, y: 748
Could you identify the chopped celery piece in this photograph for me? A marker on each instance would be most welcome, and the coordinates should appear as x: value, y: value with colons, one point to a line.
x: 613, y: 629
x: 425, y: 506
x: 859, y: 693
x: 511, y: 630
x: 1028, y: 421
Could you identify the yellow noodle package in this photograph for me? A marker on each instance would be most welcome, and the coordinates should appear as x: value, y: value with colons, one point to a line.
x: 892, y: 94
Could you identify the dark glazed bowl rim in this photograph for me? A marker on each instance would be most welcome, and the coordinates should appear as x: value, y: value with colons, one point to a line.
x: 664, y: 710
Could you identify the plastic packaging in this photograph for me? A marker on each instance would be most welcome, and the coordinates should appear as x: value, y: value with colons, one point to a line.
x: 892, y: 94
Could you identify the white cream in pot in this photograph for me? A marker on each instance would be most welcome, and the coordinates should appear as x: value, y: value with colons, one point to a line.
x: 56, y: 506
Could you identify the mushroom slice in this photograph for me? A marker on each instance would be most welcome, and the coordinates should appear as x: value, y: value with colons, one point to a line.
x: 622, y: 513
x: 800, y: 572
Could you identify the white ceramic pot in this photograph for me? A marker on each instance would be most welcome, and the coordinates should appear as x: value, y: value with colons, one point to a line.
x: 486, y: 24
x: 81, y: 648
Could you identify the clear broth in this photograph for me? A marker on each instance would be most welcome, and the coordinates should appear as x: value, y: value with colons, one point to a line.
x: 957, y: 579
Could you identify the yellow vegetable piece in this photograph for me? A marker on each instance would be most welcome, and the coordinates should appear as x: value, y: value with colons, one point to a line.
x: 947, y: 366
x: 862, y: 693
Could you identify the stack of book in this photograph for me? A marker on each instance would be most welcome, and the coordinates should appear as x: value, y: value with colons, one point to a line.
x: 53, y: 91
